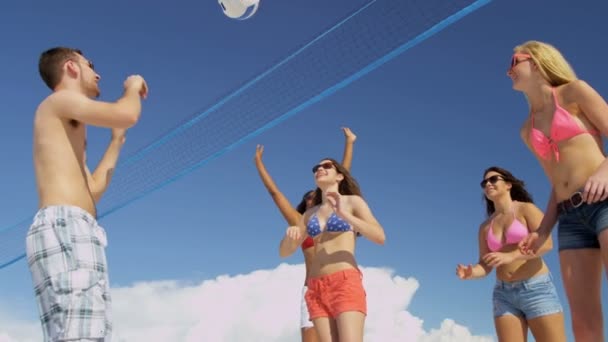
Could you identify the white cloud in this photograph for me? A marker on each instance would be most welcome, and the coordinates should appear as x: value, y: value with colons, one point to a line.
x: 450, y: 331
x: 18, y: 330
x: 261, y: 306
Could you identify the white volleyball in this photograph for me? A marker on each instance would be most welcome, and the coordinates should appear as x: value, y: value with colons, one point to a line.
x: 239, y: 9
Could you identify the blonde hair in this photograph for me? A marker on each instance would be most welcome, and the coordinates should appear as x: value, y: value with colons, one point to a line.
x: 551, y: 63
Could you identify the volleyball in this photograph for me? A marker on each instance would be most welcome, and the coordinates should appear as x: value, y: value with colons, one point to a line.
x: 239, y: 9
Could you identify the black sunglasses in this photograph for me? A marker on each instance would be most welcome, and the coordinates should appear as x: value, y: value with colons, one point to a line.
x: 327, y: 165
x: 492, y: 180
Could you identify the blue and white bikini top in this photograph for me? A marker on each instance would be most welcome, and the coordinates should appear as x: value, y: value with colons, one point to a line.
x: 334, y: 224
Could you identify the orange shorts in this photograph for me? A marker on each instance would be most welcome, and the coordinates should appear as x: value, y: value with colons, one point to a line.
x: 332, y: 294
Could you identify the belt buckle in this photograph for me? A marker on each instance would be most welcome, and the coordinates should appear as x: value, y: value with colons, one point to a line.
x: 578, y: 195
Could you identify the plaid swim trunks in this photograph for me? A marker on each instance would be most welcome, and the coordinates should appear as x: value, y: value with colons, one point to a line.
x: 65, y: 250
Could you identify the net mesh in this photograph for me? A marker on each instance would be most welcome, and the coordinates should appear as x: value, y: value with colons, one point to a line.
x: 353, y: 47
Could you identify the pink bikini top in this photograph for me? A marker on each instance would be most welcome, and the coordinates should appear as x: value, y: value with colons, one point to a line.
x: 513, y: 234
x: 563, y: 127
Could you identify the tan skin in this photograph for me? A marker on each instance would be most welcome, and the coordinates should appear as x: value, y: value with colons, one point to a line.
x: 291, y: 215
x: 334, y: 251
x: 582, y: 165
x: 511, y: 264
x: 60, y: 135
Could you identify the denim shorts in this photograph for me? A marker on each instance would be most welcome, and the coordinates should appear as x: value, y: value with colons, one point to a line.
x: 580, y: 227
x: 528, y: 298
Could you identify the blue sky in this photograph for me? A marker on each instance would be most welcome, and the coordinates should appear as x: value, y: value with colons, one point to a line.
x: 428, y: 123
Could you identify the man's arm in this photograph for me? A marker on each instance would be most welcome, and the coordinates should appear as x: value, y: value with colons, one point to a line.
x: 123, y: 113
x: 100, y: 179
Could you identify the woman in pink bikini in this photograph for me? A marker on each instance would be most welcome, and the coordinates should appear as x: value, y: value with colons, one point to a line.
x: 292, y: 216
x: 564, y: 132
x: 524, y: 295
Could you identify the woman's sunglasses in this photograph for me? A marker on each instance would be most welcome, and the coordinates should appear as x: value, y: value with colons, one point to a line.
x: 492, y: 180
x: 326, y: 166
x: 515, y: 59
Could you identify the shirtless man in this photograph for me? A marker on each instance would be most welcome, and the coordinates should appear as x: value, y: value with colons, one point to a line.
x: 65, y: 246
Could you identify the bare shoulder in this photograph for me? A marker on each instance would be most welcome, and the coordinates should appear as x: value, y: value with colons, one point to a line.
x: 355, y: 201
x: 530, y: 213
x: 53, y: 103
x: 66, y: 97
x: 527, y: 208
x: 575, y: 86
x: 45, y: 114
x: 484, y: 226
x: 575, y: 90
x: 524, y: 206
x: 45, y: 107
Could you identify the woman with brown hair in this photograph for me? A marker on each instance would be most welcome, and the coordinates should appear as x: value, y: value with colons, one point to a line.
x: 335, y: 298
x: 292, y: 216
x: 524, y: 295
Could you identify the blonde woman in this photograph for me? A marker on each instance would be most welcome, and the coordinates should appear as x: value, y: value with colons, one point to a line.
x: 566, y: 121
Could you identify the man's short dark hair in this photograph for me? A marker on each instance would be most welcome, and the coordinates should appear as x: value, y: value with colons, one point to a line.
x: 51, y: 62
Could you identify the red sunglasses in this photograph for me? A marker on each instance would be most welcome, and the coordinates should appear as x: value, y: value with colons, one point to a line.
x: 515, y: 59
